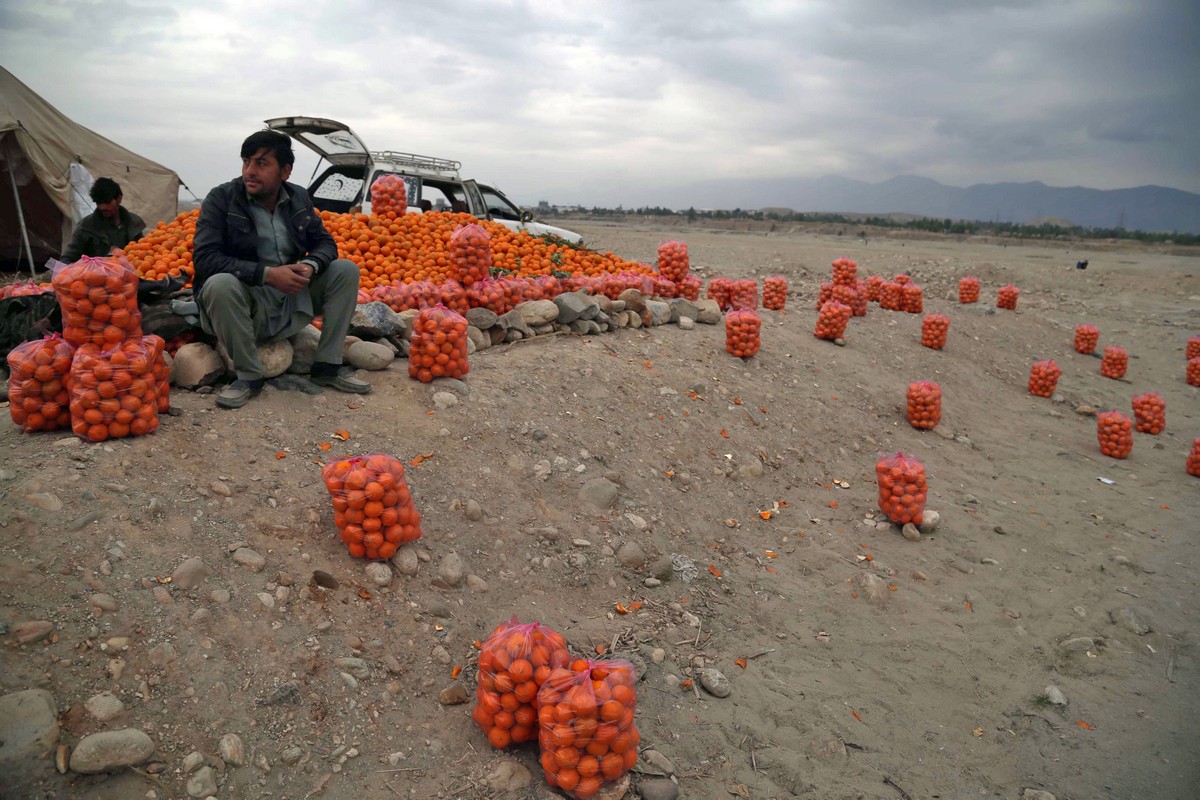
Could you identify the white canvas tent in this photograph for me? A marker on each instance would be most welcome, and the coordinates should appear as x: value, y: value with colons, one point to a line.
x: 47, y: 164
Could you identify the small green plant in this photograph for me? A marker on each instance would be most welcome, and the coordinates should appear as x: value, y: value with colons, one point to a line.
x: 1042, y: 701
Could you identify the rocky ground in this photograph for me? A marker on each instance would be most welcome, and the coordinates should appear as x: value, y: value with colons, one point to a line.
x: 179, y: 619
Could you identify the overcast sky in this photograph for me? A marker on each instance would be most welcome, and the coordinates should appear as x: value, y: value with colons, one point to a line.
x: 615, y: 102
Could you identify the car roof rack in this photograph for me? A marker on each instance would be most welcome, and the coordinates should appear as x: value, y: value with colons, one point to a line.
x: 440, y: 166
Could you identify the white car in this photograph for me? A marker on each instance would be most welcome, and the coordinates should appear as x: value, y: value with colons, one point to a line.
x: 433, y: 184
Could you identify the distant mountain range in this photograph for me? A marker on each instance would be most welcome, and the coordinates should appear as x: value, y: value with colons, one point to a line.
x: 1146, y: 208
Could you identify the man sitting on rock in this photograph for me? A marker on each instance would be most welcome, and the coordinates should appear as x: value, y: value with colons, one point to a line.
x: 265, y: 266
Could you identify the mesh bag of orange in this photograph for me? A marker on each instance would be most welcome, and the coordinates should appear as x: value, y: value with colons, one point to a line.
x: 113, y: 391
x: 844, y: 293
x: 37, y: 384
x: 689, y: 287
x: 859, y: 306
x: 1086, y: 338
x: 1115, y: 362
x: 24, y: 289
x: 372, y: 507
x: 160, y: 371
x: 774, y: 296
x: 439, y: 345
x: 968, y: 290
x: 389, y: 196
x: 1114, y: 431
x: 1043, y: 378
x: 673, y: 261
x: 665, y: 287
x: 913, y: 299
x: 934, y: 330
x: 98, y: 297
x: 470, y: 254
x: 832, y: 320
x: 718, y: 289
x: 1007, y: 297
x: 587, y: 733
x: 902, y: 279
x: 902, y: 488
x: 824, y: 294
x: 453, y: 296
x: 1193, y: 371
x: 489, y: 293
x: 1149, y: 413
x: 891, y: 296
x: 1193, y: 348
x: 845, y: 272
x: 548, y: 286
x: 743, y: 332
x: 924, y: 400
x: 874, y: 286
x: 1193, y: 460
x: 514, y: 662
x: 744, y: 294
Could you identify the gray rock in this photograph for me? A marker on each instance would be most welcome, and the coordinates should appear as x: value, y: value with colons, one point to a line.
x: 477, y: 584
x: 508, y: 776
x: 513, y: 321
x: 635, y: 319
x: 104, y: 602
x: 276, y: 357
x: 232, y: 750
x: 1079, y: 644
x: 472, y: 511
x: 482, y: 318
x: 600, y: 492
x: 104, y: 706
x: 452, y: 385
x: 1055, y: 695
x: 291, y: 755
x: 304, y: 350
x: 31, y: 631
x: 714, y: 682
x: 370, y: 355
x: 662, y: 568
x: 190, y: 573
x: 196, y: 365
x: 202, y: 783
x: 109, y: 750
x: 405, y: 561
x: 444, y: 400
x: 1034, y: 794
x: 613, y: 791
x: 631, y: 555
x: 355, y: 666
x: 192, y: 760
x: 660, y: 312
x: 375, y: 320
x: 708, y: 312
x: 572, y: 306
x: 1130, y: 620
x: 682, y: 308
x: 480, y: 339
x: 221, y: 488
x: 911, y: 532
x: 658, y: 789
x: 538, y: 312
x: 162, y: 654
x: 634, y: 300
x: 250, y: 559
x: 453, y: 695
x: 28, y: 729
x: 652, y: 762
x: 451, y: 570
x: 929, y: 522
x: 827, y: 747
x: 874, y: 588
x: 686, y: 324
x: 378, y: 573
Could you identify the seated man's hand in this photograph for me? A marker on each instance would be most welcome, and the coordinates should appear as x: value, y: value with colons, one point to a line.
x: 289, y: 278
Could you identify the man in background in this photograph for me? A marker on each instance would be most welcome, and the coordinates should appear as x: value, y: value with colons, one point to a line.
x: 110, y: 225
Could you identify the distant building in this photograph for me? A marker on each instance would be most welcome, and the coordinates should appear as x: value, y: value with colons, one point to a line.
x: 783, y: 212
x: 544, y: 207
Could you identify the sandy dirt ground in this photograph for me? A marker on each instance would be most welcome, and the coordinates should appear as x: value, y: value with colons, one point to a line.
x: 934, y: 686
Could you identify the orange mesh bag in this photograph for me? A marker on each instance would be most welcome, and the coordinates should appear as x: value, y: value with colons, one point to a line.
x: 824, y: 294
x: 718, y: 289
x: 453, y: 296
x: 859, y: 306
x: 1086, y: 339
x: 934, y: 330
x: 673, y: 261
x: 514, y: 663
x: 1193, y: 348
x: 24, y: 289
x: 389, y: 197
x: 744, y: 294
x: 902, y: 488
x: 160, y: 370
x: 470, y: 253
x: 832, y: 320
x: 874, y: 286
x: 1043, y: 378
x: 37, y: 384
x: 665, y: 287
x: 1149, y: 413
x: 913, y: 299
x: 844, y: 293
x: 845, y: 272
x: 1193, y: 460
x: 439, y: 345
x: 891, y: 296
x: 1115, y: 362
x: 968, y: 290
x: 587, y: 733
x: 490, y: 294
x: 743, y: 332
x: 113, y: 391
x: 1007, y: 297
x: 924, y: 405
x: 902, y: 279
x: 774, y: 295
x: 372, y: 508
x: 689, y: 287
x: 98, y: 297
x: 1193, y: 371
x: 1114, y: 430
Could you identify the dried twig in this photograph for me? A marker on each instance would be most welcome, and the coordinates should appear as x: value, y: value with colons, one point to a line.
x: 761, y: 653
x: 897, y: 787
x: 699, y: 628
x: 402, y: 769
x: 974, y: 680
x: 1171, y: 665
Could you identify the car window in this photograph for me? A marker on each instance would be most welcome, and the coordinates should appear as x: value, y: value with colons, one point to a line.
x: 498, y: 205
x: 337, y: 186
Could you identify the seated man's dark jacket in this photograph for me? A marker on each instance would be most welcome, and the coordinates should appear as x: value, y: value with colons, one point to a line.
x: 95, y: 236
x: 226, y: 240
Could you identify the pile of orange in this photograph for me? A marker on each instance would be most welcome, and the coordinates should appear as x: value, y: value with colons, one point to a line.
x: 689, y: 287
x: 774, y: 295
x: 24, y: 289
x: 861, y: 300
x: 165, y: 251
x: 924, y: 400
x: 673, y: 261
x: 845, y: 293
x: 902, y: 279
x: 37, y: 391
x: 934, y: 331
x: 1086, y: 338
x: 832, y: 320
x: 1115, y: 362
x: 98, y: 297
x: 1150, y: 413
x: 113, y: 390
x: 1007, y: 297
x: 514, y: 663
x: 912, y: 299
x: 372, y: 507
x: 1043, y: 378
x: 902, y: 488
x: 743, y: 332
x: 968, y: 290
x: 1114, y: 430
x: 439, y: 345
x: 1193, y: 348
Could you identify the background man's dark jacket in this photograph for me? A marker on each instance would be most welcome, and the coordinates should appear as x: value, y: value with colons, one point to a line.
x: 95, y: 236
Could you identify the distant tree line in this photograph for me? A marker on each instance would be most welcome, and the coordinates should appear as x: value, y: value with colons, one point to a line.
x: 926, y: 224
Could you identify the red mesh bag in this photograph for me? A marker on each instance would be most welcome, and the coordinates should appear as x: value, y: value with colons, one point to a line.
x: 1115, y: 433
x: 689, y: 287
x: 37, y: 384
x: 587, y: 733
x: 1193, y: 348
x: 913, y: 299
x: 517, y: 291
x: 470, y: 254
x: 832, y: 320
x: 389, y: 197
x: 774, y: 295
x: 743, y: 332
x: 665, y: 288
x: 744, y: 294
x: 719, y: 289
x: 24, y: 289
x: 934, y: 331
x: 968, y: 290
x: 490, y: 294
x: 1193, y: 371
x: 824, y: 294
x: 372, y: 508
x: 924, y: 405
x: 1193, y: 460
x: 548, y: 287
x: 1007, y: 297
x: 1149, y: 413
x: 98, y: 297
x: 113, y: 392
x: 902, y: 488
x: 902, y: 279
x: 844, y: 293
x: 891, y: 296
x: 859, y: 306
x: 673, y: 261
x: 160, y: 370
x: 453, y: 296
x: 874, y: 286
x: 1043, y: 378
x: 1086, y: 338
x: 1115, y: 362
x: 439, y: 345
x: 845, y: 272
x: 514, y: 663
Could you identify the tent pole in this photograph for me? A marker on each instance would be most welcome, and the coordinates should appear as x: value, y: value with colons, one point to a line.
x: 12, y: 177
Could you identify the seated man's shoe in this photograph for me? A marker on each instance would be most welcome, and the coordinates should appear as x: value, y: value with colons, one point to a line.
x: 238, y: 393
x: 337, y: 376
